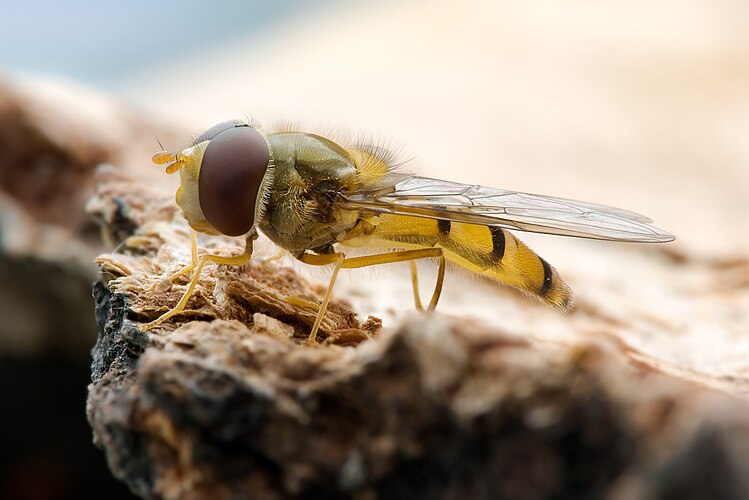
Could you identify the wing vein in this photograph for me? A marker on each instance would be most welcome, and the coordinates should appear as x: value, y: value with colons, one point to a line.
x: 403, y: 194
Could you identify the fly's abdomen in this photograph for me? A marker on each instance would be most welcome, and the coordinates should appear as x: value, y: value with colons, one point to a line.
x: 487, y: 250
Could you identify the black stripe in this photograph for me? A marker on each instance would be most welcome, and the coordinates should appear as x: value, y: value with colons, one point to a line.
x: 498, y: 242
x: 444, y: 226
x: 547, y: 277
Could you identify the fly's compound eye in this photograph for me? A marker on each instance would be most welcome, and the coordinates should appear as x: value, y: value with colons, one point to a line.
x: 231, y: 174
x: 215, y: 130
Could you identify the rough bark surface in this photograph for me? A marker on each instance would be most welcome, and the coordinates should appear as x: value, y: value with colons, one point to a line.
x: 639, y: 393
x: 227, y: 400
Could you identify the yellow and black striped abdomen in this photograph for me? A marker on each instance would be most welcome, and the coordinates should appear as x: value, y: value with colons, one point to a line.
x: 487, y: 250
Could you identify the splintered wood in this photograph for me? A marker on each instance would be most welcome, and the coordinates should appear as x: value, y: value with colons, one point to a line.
x: 159, y: 246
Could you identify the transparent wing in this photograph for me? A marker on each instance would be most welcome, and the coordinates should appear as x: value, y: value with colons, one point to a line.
x: 404, y: 194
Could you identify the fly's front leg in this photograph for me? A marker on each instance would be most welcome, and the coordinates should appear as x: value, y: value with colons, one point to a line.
x: 342, y: 262
x: 237, y: 260
x: 275, y: 257
x: 186, y: 269
x: 194, y: 247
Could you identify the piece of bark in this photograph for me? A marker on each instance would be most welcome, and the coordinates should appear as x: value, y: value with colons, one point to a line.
x: 432, y: 410
x: 227, y: 400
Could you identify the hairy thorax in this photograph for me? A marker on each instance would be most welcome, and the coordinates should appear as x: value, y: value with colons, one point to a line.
x: 310, y: 172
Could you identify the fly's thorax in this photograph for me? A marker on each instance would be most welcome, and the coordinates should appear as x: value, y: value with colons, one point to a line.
x: 315, y: 159
x: 310, y: 174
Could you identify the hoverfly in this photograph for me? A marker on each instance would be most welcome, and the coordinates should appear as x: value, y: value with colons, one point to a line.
x: 314, y: 197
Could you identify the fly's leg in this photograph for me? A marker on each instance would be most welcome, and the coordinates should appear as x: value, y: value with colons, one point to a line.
x: 404, y: 256
x: 341, y: 262
x: 276, y: 257
x: 188, y: 268
x: 237, y: 260
x: 339, y: 259
x: 415, y: 285
x: 438, y: 285
x: 194, y: 247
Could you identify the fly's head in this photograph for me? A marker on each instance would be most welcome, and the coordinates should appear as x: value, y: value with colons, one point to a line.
x: 224, y: 178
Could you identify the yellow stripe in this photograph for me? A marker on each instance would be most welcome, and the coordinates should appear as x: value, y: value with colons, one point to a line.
x: 472, y: 247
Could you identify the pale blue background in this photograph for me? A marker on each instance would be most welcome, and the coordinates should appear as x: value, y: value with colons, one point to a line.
x: 100, y: 43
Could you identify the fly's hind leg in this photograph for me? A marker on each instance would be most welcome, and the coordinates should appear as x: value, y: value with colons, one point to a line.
x: 341, y: 262
x: 415, y: 285
x: 198, y: 265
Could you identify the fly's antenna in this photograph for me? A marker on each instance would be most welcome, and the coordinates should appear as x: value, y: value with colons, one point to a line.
x: 172, y: 161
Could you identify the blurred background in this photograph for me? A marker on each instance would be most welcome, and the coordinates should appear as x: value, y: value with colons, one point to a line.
x: 630, y: 103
